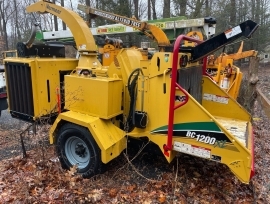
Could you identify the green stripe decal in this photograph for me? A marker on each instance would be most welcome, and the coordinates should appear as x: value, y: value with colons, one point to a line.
x: 204, y: 126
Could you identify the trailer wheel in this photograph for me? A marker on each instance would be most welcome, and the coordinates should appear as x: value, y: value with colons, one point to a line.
x: 76, y: 146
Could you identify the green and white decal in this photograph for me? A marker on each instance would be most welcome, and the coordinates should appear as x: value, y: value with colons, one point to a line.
x: 205, y: 132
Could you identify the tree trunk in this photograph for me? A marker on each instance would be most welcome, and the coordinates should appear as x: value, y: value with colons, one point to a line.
x: 55, y: 20
x: 88, y: 20
x: 183, y: 7
x: 149, y: 10
x: 233, y: 21
x: 166, y: 9
x: 258, y: 13
x: 63, y: 24
x: 136, y: 8
x: 71, y: 5
x: 5, y: 34
x: 207, y: 8
x: 154, y: 9
x: 19, y: 36
x: 197, y: 9
x: 247, y: 93
x: 233, y: 13
x: 4, y: 23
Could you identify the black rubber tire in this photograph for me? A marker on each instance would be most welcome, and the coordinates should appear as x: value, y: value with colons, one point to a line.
x: 78, y: 133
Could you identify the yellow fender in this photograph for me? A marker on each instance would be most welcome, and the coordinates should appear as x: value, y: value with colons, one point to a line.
x: 110, y: 139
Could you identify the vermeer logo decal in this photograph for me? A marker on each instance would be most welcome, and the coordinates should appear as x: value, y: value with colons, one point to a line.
x: 53, y: 9
x: 126, y: 21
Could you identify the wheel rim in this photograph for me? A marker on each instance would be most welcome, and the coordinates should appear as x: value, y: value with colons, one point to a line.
x: 77, y: 152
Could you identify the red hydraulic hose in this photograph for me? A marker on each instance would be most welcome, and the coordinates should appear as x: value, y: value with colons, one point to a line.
x: 58, y: 100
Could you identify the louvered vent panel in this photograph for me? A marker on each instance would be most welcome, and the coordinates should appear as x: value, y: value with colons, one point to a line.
x: 20, y: 95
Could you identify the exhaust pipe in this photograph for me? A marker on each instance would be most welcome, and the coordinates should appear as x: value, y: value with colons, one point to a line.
x: 29, y: 43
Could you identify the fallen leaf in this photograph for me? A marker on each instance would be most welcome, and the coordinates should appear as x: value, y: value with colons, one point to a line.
x: 196, y: 174
x: 162, y: 198
x: 132, y: 187
x: 113, y: 192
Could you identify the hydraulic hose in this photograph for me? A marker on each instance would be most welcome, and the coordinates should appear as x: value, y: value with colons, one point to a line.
x: 132, y: 89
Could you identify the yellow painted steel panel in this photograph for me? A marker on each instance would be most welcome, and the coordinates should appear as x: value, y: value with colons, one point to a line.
x: 96, y: 96
x: 46, y: 74
x: 46, y: 80
x: 219, y: 103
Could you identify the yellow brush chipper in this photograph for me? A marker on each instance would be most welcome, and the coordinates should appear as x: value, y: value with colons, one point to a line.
x: 225, y: 73
x: 157, y: 33
x: 169, y: 100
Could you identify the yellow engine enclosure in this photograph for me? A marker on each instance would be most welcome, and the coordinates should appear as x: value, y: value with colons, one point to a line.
x: 37, y: 85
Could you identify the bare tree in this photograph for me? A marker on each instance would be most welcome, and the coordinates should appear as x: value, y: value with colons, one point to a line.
x: 232, y: 21
x: 19, y: 37
x: 167, y: 9
x: 180, y: 7
x: 233, y: 12
x: 63, y: 24
x: 196, y: 6
x: 5, y: 12
x: 71, y: 5
x: 154, y: 9
x: 55, y: 21
x: 87, y: 3
x: 183, y: 7
x: 207, y: 7
x: 136, y: 8
x: 149, y: 9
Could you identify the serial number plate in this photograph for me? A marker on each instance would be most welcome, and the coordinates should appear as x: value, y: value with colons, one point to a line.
x: 192, y: 149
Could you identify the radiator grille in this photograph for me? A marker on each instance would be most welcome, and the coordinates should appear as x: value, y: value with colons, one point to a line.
x: 20, y: 95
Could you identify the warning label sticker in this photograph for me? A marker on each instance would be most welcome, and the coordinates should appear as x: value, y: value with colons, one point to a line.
x: 192, y: 149
x: 232, y: 32
x: 216, y: 98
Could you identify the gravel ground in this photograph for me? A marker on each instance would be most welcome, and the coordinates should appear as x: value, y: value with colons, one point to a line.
x: 7, y: 122
x: 264, y: 81
x: 10, y: 129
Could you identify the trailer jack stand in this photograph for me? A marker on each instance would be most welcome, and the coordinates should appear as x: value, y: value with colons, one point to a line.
x: 22, y: 143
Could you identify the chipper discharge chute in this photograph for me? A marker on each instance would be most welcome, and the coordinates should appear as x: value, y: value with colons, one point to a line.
x: 168, y: 99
